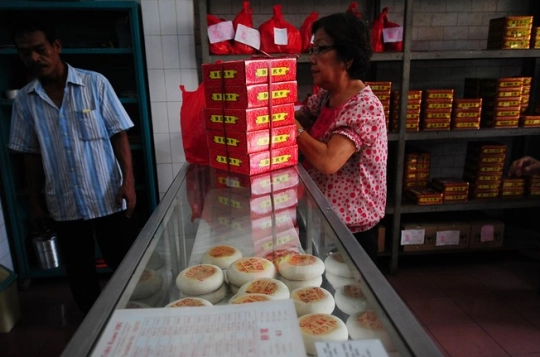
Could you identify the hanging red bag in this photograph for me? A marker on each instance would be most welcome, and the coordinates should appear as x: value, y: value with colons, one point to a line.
x: 192, y: 126
x: 305, y: 30
x: 245, y: 18
x: 392, y: 39
x: 222, y: 47
x: 267, y: 31
x: 354, y: 9
x: 376, y: 32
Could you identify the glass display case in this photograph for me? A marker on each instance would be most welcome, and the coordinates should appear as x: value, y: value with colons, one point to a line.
x: 275, y: 216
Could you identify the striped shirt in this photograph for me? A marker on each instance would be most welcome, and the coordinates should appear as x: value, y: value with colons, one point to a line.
x: 82, y: 175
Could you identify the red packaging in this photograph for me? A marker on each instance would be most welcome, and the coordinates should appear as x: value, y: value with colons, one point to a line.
x: 248, y: 119
x: 251, y: 141
x: 253, y: 164
x: 273, y: 246
x: 252, y: 96
x: 255, y: 185
x: 250, y: 71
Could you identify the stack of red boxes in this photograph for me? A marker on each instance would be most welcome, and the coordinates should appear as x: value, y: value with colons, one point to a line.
x: 535, y: 38
x: 453, y: 189
x: 525, y: 94
x: 510, y: 32
x: 382, y: 90
x: 260, y: 209
x: 417, y: 165
x: 532, y: 185
x: 437, y: 109
x: 512, y: 187
x: 466, y: 113
x: 414, y: 106
x: 241, y: 97
x: 501, y: 102
x: 483, y: 169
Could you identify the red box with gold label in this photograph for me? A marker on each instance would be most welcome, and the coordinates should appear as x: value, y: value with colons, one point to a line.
x: 248, y: 119
x: 255, y: 185
x: 529, y: 121
x: 456, y: 124
x: 253, y: 164
x: 436, y: 124
x: 250, y: 71
x: 251, y: 96
x: 256, y: 206
x: 283, y: 240
x: 252, y: 141
x: 424, y: 196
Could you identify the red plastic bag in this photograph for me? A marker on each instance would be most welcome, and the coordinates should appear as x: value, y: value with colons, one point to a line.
x: 192, y: 126
x: 245, y: 18
x: 376, y: 32
x: 354, y: 9
x: 218, y: 48
x: 294, y: 41
x: 391, y: 46
x: 305, y: 30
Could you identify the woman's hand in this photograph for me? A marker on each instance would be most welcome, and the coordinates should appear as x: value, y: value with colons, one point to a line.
x: 525, y: 166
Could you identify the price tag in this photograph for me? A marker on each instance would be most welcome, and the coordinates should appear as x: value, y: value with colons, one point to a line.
x: 222, y: 31
x: 487, y: 233
x: 248, y: 36
x: 392, y: 34
x: 447, y: 238
x: 412, y: 236
x: 280, y: 36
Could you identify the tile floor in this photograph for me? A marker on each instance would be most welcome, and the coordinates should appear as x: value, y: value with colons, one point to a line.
x: 473, y: 305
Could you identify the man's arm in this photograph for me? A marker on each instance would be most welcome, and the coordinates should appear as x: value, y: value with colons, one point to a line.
x: 122, y: 152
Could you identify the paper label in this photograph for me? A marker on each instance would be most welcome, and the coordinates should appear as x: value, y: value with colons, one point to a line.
x: 222, y: 31
x: 356, y: 348
x: 487, y: 233
x: 248, y: 36
x: 447, y: 238
x: 392, y: 34
x: 412, y: 236
x: 280, y: 36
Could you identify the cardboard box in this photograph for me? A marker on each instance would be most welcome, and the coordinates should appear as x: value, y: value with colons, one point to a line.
x: 486, y: 233
x: 251, y: 141
x: 249, y: 71
x: 251, y: 96
x: 429, y: 232
x: 440, y: 236
x: 10, y: 310
x: 251, y: 119
x: 253, y: 164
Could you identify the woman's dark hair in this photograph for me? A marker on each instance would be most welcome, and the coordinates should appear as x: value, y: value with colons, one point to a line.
x: 352, y: 40
x: 33, y: 23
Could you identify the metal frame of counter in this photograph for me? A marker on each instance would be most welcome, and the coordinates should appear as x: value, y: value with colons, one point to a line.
x: 405, y: 329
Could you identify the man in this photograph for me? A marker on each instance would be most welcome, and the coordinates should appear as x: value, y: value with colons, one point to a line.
x: 71, y: 127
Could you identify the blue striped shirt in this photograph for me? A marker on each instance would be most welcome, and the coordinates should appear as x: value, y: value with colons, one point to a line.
x: 82, y: 175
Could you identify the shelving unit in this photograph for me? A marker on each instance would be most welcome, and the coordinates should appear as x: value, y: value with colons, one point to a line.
x: 396, y: 208
x: 104, y: 36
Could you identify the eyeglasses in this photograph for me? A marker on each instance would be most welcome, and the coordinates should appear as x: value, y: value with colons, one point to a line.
x: 317, y: 50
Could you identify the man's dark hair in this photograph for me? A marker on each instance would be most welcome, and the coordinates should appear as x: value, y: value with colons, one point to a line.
x: 352, y: 40
x: 33, y: 23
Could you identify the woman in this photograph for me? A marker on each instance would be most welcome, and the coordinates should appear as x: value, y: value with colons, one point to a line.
x: 342, y: 129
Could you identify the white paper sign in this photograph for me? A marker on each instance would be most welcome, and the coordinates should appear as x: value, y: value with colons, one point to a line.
x: 353, y: 348
x: 258, y: 329
x: 447, y: 238
x: 392, y: 34
x: 222, y: 31
x: 487, y: 233
x: 248, y: 36
x: 280, y: 36
x: 412, y: 236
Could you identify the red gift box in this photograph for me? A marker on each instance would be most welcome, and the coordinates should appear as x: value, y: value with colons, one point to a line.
x: 253, y: 164
x: 251, y: 96
x: 251, y: 71
x: 248, y: 119
x: 251, y: 141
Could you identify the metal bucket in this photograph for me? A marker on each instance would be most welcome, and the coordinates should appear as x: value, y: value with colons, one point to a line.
x: 47, y: 252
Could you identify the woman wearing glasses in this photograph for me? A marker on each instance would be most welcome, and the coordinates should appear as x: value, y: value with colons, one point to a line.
x: 342, y: 129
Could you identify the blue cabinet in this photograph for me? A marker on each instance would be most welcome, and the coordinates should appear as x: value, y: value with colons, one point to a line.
x: 104, y: 36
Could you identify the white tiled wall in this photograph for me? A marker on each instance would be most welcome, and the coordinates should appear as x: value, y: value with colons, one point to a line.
x: 5, y: 255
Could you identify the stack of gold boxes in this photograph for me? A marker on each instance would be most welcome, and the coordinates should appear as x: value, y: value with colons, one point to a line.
x: 510, y: 32
x: 532, y: 185
x: 535, y: 38
x: 417, y: 165
x: 437, y: 109
x: 466, y: 113
x: 382, y: 90
x: 453, y: 189
x: 483, y: 169
x: 414, y: 106
x: 512, y: 187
